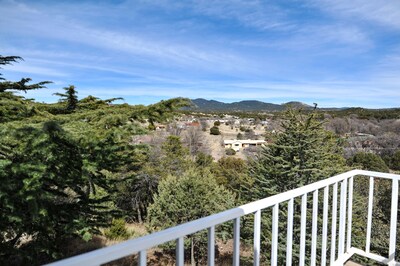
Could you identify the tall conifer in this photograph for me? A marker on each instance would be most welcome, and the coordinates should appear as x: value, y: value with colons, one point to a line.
x: 301, y: 154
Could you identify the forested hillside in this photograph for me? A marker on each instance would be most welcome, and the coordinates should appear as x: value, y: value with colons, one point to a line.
x: 73, y: 172
x: 64, y: 167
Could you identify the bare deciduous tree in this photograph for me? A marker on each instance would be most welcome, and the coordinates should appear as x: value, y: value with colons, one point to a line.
x: 175, y: 129
x: 193, y: 138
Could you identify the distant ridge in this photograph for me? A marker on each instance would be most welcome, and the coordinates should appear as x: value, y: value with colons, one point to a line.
x: 249, y: 105
x: 297, y: 105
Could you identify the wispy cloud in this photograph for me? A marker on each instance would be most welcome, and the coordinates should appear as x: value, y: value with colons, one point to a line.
x: 386, y: 13
x: 257, y: 14
x: 139, y: 47
x: 319, y: 51
x: 29, y: 68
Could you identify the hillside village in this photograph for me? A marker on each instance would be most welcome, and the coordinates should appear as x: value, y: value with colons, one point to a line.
x: 241, y: 137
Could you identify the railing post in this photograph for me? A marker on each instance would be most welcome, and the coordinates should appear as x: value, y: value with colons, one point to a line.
x: 325, y: 226
x: 289, y: 233
x: 180, y: 252
x: 349, y: 214
x: 142, y: 258
x: 303, y: 229
x: 314, y: 235
x: 342, y: 221
x: 275, y: 224
x: 334, y: 222
x: 236, y: 242
x: 369, y: 219
x: 257, y: 237
x: 393, y: 221
x: 211, y: 246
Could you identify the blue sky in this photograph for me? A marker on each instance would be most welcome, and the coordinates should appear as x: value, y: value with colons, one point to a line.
x: 335, y: 53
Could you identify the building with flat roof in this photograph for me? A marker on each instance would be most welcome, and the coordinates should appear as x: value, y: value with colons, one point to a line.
x: 238, y: 144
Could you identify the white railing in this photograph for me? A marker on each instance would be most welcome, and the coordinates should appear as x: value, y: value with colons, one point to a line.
x: 343, y: 238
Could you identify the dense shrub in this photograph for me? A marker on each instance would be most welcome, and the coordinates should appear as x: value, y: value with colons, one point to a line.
x: 190, y: 196
x: 395, y: 162
x: 117, y: 230
x: 215, y: 131
x: 230, y: 151
x: 368, y: 161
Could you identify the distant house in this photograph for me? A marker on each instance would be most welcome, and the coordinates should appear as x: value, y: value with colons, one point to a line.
x: 237, y: 144
x: 192, y: 124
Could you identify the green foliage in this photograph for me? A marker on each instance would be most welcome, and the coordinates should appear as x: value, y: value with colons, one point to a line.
x: 44, y: 191
x: 233, y: 174
x: 185, y: 198
x: 117, y: 230
x: 230, y: 152
x: 302, y: 154
x: 93, y: 103
x: 217, y: 123
x: 395, y: 162
x: 21, y: 85
x: 6, y: 60
x: 368, y: 161
x: 65, y: 166
x: 14, y: 107
x: 69, y: 98
x: 136, y: 194
x: 159, y: 112
x: 239, y: 136
x: 136, y: 191
x: 175, y: 157
x: 215, y: 131
x: 380, y: 214
x: 203, y: 160
x: 194, y: 196
x: 362, y: 113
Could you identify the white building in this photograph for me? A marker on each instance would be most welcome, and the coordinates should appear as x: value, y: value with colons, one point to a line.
x: 237, y: 144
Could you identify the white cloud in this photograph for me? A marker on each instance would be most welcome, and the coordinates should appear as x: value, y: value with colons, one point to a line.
x: 28, y: 68
x: 140, y: 47
x: 197, y: 49
x: 386, y: 13
x: 257, y: 14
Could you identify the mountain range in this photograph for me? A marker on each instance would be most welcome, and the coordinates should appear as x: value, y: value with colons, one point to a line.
x: 249, y: 105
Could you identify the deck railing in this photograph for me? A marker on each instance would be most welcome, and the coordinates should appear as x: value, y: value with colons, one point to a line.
x: 338, y: 240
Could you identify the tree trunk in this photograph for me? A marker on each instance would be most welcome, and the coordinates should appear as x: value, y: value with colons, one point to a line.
x: 193, y: 262
x: 140, y: 220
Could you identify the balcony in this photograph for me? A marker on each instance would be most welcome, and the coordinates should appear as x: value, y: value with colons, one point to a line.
x: 326, y: 218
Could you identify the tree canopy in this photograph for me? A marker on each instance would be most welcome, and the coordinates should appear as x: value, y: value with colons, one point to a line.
x: 21, y: 85
x: 304, y: 152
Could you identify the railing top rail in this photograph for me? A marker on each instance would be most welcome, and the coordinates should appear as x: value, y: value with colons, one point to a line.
x: 129, y: 247
x: 376, y: 174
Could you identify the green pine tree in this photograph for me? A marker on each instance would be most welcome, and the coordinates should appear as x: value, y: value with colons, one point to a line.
x: 21, y: 85
x: 69, y: 98
x: 190, y: 196
x: 301, y: 154
x: 44, y: 193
